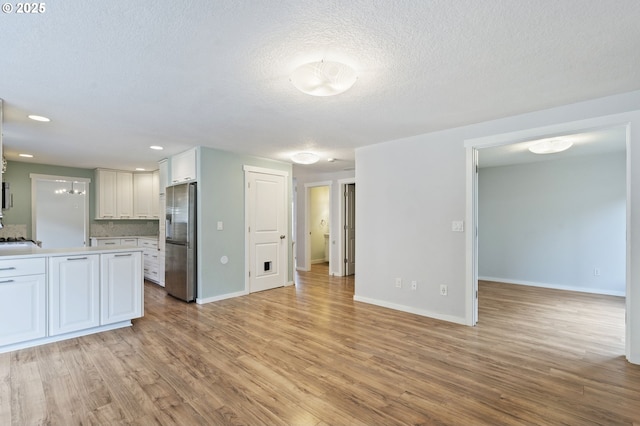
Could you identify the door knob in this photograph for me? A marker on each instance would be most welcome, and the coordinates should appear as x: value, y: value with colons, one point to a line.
x: 282, y: 237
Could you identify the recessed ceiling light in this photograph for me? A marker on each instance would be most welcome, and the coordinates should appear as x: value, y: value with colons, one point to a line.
x: 38, y: 118
x: 139, y: 169
x: 305, y: 158
x: 550, y: 146
x: 323, y: 78
x: 25, y: 155
x: 156, y: 147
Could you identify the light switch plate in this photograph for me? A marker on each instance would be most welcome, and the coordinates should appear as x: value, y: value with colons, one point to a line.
x: 220, y: 226
x: 457, y: 226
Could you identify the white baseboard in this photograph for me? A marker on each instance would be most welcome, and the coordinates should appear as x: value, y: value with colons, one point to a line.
x: 411, y: 310
x: 301, y: 269
x: 313, y: 262
x: 202, y: 301
x: 603, y: 291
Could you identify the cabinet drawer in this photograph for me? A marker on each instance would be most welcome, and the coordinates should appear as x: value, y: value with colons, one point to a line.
x: 129, y: 241
x: 149, y: 244
x: 110, y: 242
x: 151, y: 272
x: 18, y: 267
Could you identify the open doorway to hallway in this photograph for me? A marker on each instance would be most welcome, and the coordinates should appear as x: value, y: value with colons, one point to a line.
x: 318, y: 226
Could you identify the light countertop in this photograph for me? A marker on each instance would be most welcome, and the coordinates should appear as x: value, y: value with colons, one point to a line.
x: 18, y: 253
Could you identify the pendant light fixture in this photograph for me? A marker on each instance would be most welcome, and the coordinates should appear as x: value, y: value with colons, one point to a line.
x: 323, y: 78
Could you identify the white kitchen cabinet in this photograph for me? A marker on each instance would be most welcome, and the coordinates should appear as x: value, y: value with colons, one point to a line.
x: 129, y: 242
x: 151, y: 259
x: 124, y: 195
x: 22, y: 300
x: 114, y: 199
x: 143, y: 196
x: 162, y: 233
x: 155, y: 194
x: 74, y: 293
x: 121, y: 287
x: 184, y: 166
x: 106, y: 185
x: 163, y: 176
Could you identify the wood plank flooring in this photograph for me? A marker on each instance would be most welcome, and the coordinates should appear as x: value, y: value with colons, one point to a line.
x: 309, y: 355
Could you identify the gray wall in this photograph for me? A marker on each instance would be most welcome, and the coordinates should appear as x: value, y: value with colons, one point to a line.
x: 221, y: 198
x: 552, y: 223
x: 410, y: 190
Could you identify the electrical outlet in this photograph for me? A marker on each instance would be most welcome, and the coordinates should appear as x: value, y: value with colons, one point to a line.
x: 398, y: 282
x: 596, y: 272
x: 443, y: 290
x: 414, y: 285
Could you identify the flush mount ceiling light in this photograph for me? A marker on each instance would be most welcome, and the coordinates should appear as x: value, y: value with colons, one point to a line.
x: 25, y: 155
x: 38, y: 118
x: 323, y: 78
x: 305, y: 158
x: 550, y: 146
x: 156, y: 147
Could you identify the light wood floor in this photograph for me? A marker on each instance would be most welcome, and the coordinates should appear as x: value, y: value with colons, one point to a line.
x: 310, y: 355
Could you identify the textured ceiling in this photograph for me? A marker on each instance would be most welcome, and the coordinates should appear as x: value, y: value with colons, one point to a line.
x: 118, y: 76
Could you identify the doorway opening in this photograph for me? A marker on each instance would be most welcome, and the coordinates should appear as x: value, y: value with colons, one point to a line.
x: 318, y: 225
x: 574, y: 213
x: 348, y: 215
x: 60, y: 213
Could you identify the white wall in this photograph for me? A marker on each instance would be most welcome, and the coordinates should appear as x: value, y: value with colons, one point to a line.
x: 302, y: 178
x: 552, y: 223
x: 416, y: 186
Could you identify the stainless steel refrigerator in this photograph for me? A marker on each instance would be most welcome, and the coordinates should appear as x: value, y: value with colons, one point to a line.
x: 181, y: 244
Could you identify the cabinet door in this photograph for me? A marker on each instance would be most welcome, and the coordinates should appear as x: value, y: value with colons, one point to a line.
x: 163, y: 176
x: 22, y: 309
x: 106, y: 194
x: 155, y: 195
x: 143, y: 195
x: 74, y: 293
x: 124, y: 195
x: 121, y: 287
x: 184, y: 167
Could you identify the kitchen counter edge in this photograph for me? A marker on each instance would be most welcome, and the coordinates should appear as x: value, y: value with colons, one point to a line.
x: 7, y: 254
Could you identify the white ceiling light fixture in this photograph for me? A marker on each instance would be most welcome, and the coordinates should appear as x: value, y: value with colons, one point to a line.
x: 39, y: 118
x: 156, y: 147
x: 25, y: 155
x: 550, y: 146
x: 323, y: 78
x: 305, y: 158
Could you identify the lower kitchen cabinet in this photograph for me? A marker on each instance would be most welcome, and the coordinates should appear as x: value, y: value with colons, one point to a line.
x: 121, y: 287
x: 23, y: 307
x: 63, y: 295
x: 74, y: 293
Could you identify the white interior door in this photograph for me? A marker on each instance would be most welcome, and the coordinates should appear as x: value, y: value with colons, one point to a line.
x: 267, y: 229
x: 60, y: 211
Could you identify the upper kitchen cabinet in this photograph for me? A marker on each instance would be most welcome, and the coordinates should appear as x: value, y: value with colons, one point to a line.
x: 163, y: 176
x: 126, y: 195
x: 144, y: 196
x: 184, y: 166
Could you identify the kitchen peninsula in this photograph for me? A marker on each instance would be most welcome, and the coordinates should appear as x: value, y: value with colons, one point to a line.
x: 48, y: 295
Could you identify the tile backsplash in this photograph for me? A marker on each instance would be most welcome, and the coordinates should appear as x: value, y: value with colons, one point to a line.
x: 116, y: 229
x: 13, y: 231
